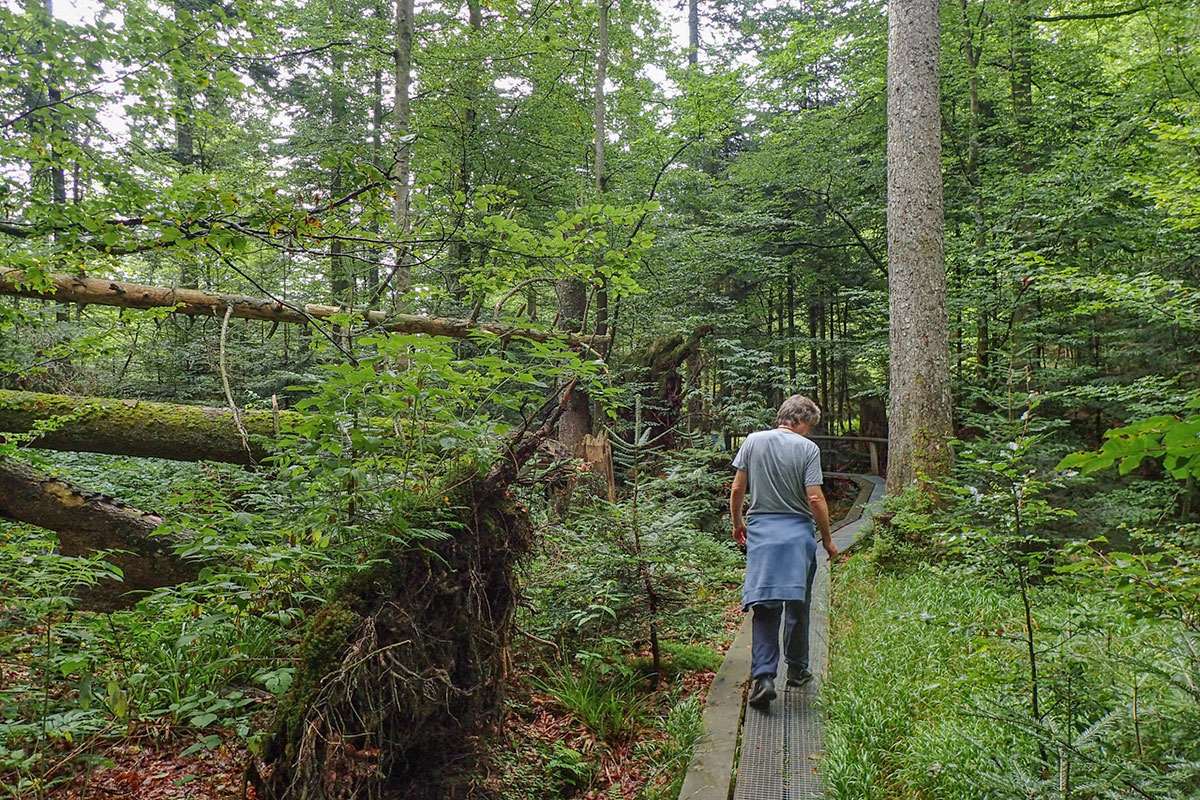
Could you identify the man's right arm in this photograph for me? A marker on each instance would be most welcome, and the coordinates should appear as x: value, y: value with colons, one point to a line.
x: 814, y: 480
x: 737, y: 501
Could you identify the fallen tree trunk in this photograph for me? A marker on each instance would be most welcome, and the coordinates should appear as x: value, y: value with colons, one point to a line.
x: 194, y: 302
x: 88, y: 521
x: 140, y: 428
x: 404, y: 664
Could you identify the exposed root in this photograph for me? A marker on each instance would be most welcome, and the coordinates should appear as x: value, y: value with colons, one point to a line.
x: 405, y: 664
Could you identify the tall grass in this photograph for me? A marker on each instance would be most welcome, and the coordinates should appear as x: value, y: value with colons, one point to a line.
x: 609, y: 706
x: 929, y: 693
x: 669, y: 757
x: 899, y: 682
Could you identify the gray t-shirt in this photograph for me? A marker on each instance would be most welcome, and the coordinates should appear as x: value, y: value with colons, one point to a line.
x: 779, y: 465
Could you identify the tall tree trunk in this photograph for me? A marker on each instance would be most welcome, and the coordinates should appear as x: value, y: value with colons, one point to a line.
x: 824, y: 354
x: 791, y: 329
x: 58, y: 178
x: 531, y: 303
x: 76, y: 182
x: 779, y: 343
x: 460, y: 248
x: 183, y: 116
x: 973, y: 50
x: 1021, y: 89
x: 920, y: 405
x: 401, y: 124
x: 1020, y: 77
x: 770, y: 314
x: 693, y: 32
x: 576, y: 421
x: 598, y: 97
x: 377, y: 160
x: 813, y: 357
x: 339, y: 277
x: 36, y: 100
x: 845, y: 361
x: 184, y: 113
x: 43, y: 103
x: 599, y: 135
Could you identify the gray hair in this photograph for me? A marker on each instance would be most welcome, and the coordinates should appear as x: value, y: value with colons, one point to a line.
x: 798, y: 408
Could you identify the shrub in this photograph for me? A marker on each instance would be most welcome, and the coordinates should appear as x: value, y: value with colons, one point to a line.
x: 608, y: 706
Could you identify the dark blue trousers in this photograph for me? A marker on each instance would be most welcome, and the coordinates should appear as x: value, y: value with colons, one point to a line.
x: 764, y: 648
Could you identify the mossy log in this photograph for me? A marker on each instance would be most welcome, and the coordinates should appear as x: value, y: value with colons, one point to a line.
x: 403, y: 666
x: 194, y: 302
x: 88, y: 521
x: 139, y: 427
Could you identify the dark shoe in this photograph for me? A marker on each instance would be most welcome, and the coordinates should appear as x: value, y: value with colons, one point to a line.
x: 798, y: 677
x: 762, y: 692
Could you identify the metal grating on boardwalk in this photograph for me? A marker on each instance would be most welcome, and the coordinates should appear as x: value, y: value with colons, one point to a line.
x: 781, y: 747
x: 761, y: 768
x: 802, y: 745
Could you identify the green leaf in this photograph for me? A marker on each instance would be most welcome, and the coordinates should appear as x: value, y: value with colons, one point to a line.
x: 1129, y: 464
x: 210, y: 742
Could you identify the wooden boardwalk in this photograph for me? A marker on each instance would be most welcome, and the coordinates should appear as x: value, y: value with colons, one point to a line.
x: 780, y: 748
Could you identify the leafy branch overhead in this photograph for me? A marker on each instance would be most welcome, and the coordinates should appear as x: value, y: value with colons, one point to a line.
x: 1173, y: 440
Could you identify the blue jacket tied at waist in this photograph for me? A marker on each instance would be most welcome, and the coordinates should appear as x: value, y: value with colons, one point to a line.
x: 781, y: 557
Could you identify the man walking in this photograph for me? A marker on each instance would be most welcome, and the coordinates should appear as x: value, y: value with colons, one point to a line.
x: 782, y: 469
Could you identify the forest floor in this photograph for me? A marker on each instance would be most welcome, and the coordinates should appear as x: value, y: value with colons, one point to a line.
x: 148, y: 764
x: 151, y: 761
x: 148, y: 761
x: 576, y: 724
x: 537, y: 754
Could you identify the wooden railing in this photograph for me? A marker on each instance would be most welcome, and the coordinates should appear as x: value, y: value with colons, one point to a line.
x: 876, y: 448
x: 873, y: 447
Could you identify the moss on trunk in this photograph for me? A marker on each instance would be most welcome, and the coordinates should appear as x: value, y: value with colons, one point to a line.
x: 89, y: 521
x: 138, y: 427
x: 661, y: 362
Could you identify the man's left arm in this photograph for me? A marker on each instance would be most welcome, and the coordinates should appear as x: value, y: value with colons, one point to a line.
x: 820, y: 511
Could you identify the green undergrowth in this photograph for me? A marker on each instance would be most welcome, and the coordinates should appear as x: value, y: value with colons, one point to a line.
x: 610, y: 707
x: 597, y: 736
x: 590, y: 716
x: 902, y: 683
x: 930, y: 689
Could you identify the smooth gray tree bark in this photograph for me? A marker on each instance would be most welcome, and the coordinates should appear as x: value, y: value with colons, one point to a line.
x: 401, y: 123
x: 599, y: 140
x: 693, y: 32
